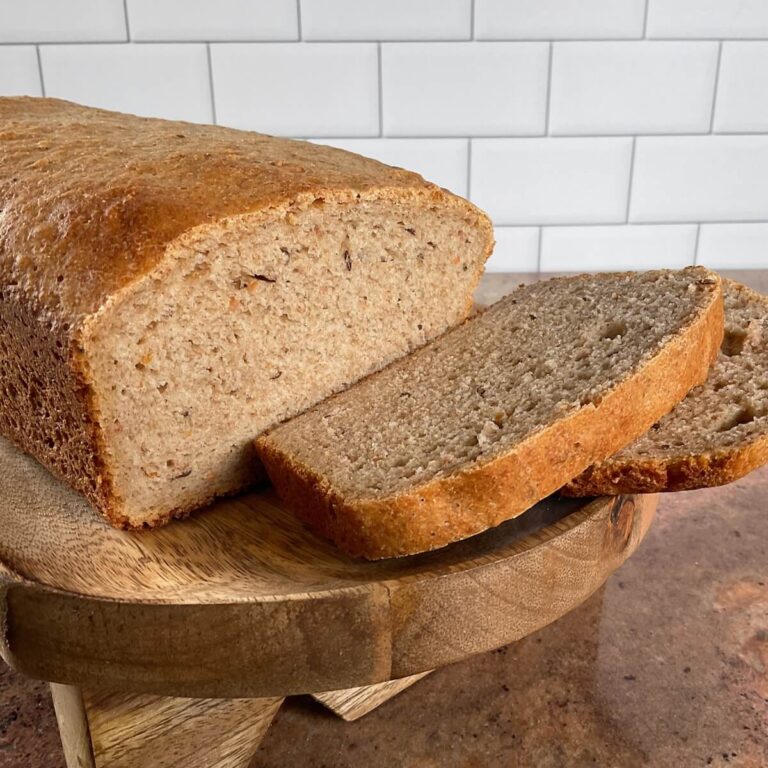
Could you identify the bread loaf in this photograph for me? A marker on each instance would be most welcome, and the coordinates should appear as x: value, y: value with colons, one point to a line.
x: 168, y: 291
x: 485, y: 421
x: 717, y: 434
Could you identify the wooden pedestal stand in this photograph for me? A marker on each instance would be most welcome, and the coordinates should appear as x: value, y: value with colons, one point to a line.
x: 176, y: 648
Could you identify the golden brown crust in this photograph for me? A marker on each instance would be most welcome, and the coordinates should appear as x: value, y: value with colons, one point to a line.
x: 91, y: 198
x: 678, y: 473
x: 90, y: 202
x: 485, y: 494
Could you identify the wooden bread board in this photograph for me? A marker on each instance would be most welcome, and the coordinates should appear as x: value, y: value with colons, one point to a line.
x: 241, y: 601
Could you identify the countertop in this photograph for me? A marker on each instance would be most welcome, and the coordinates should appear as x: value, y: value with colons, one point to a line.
x: 666, y: 666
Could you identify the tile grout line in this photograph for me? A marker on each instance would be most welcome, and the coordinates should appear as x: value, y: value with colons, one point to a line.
x: 630, y: 224
x: 298, y: 20
x: 547, y: 108
x: 210, y: 82
x: 538, y: 253
x: 469, y: 168
x: 414, y: 41
x: 631, y: 176
x: 717, y: 84
x: 127, y: 24
x: 645, y: 19
x: 472, y: 20
x: 40, y: 70
x: 696, y: 245
x: 577, y: 136
x: 381, y: 89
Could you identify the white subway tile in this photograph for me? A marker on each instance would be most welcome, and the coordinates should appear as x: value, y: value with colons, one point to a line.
x: 455, y: 89
x: 742, y: 91
x: 158, y: 80
x: 551, y: 181
x: 517, y: 250
x: 19, y: 73
x: 632, y: 87
x: 710, y: 18
x: 206, y: 20
x: 700, y: 178
x: 391, y: 20
x: 312, y: 89
x: 442, y: 161
x: 579, y: 249
x: 733, y: 246
x: 47, y: 21
x: 558, y: 19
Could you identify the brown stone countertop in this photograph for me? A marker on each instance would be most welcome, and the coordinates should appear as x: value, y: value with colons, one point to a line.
x: 666, y: 666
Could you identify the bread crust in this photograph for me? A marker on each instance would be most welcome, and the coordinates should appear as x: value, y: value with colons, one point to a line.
x: 92, y: 202
x: 91, y: 198
x: 485, y: 494
x: 47, y: 407
x: 678, y: 473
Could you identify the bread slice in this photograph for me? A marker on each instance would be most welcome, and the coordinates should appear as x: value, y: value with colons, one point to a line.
x: 482, y: 423
x: 168, y: 291
x: 718, y: 433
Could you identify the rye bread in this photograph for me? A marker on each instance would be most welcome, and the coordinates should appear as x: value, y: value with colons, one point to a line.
x: 488, y: 419
x: 169, y: 290
x: 717, y: 434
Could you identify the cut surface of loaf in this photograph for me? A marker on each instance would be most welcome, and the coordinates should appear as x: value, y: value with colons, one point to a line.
x: 718, y: 433
x: 168, y: 291
x: 485, y: 421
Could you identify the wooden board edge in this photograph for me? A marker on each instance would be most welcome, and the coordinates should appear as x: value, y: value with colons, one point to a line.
x: 390, y: 635
x: 159, y: 648
x: 504, y: 602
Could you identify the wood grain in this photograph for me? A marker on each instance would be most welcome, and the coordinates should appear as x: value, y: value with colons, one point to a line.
x: 133, y: 731
x: 539, y: 578
x: 241, y: 601
x: 352, y: 703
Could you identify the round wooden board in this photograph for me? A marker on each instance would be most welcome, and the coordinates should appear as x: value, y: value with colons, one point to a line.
x: 241, y: 601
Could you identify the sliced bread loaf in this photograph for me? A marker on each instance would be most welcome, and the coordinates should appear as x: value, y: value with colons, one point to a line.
x: 718, y: 433
x: 495, y: 415
x: 168, y: 291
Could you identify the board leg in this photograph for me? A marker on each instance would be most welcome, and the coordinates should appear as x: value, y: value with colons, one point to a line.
x: 134, y: 731
x: 73, y: 725
x: 352, y: 703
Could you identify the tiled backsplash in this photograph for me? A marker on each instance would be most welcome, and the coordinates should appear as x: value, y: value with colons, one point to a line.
x: 597, y: 133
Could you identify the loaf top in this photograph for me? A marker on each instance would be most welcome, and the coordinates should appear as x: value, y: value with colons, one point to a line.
x: 91, y: 198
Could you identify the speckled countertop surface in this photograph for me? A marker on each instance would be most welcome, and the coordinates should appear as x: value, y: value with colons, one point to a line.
x: 667, y: 666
